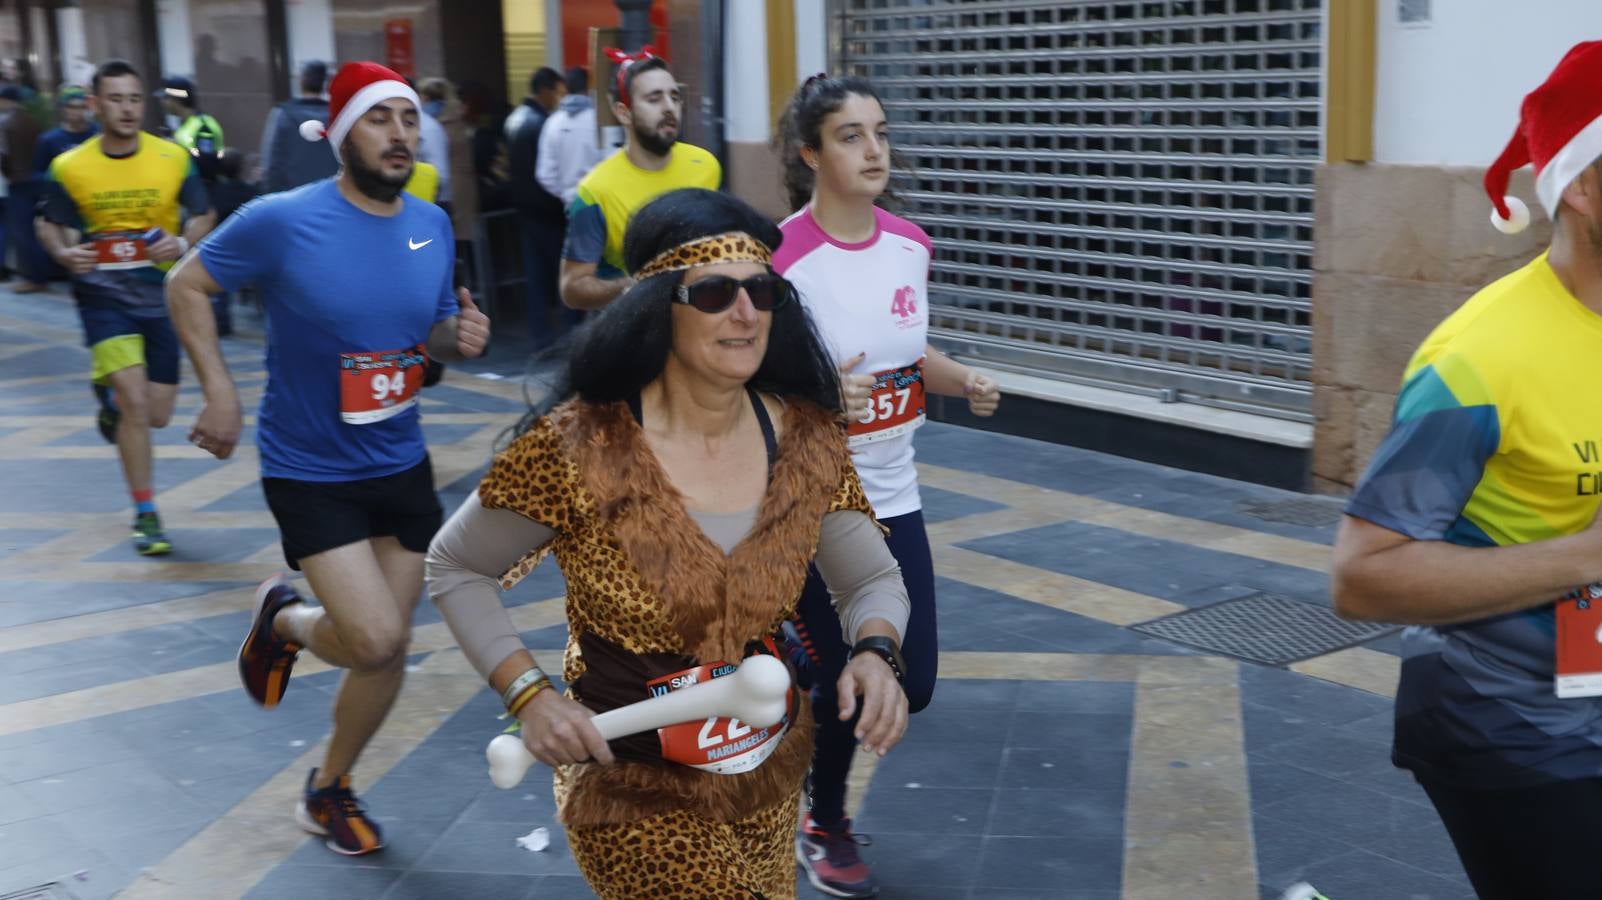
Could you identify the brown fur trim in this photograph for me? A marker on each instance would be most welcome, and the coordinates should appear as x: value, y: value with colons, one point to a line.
x: 591, y: 794
x: 717, y: 603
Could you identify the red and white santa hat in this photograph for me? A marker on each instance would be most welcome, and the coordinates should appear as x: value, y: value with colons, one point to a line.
x: 1560, y: 131
x: 357, y: 88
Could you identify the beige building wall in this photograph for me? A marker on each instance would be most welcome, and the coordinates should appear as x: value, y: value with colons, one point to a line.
x: 754, y: 175
x: 1397, y: 249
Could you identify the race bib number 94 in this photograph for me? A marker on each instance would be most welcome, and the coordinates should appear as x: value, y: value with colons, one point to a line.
x: 719, y: 745
x: 895, y: 408
x: 377, y: 385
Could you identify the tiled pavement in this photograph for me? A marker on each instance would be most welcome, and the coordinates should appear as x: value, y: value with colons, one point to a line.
x: 1065, y: 755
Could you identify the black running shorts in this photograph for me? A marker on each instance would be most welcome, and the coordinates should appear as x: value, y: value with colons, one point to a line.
x: 314, y: 516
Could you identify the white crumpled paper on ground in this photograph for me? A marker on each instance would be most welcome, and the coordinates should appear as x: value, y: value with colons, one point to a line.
x: 535, y: 840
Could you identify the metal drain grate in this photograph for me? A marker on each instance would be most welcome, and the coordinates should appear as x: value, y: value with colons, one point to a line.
x: 52, y: 891
x: 1312, y: 513
x: 1263, y: 628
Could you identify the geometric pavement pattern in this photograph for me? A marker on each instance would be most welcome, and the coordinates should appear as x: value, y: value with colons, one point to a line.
x: 1064, y: 755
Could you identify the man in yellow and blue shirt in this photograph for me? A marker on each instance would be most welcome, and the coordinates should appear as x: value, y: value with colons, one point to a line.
x: 1477, y: 524
x: 647, y: 101
x: 113, y: 217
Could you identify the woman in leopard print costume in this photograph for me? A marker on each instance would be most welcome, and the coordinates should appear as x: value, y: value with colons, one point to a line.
x: 695, y: 466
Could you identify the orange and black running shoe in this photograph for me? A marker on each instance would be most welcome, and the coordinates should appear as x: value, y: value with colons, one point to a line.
x: 335, y: 813
x: 264, y: 658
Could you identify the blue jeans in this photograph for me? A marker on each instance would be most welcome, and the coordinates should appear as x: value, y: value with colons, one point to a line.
x: 819, y: 626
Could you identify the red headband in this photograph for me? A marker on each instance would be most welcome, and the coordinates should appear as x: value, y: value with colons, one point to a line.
x: 623, y: 60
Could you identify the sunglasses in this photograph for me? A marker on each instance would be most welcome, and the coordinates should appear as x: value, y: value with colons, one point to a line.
x: 717, y: 293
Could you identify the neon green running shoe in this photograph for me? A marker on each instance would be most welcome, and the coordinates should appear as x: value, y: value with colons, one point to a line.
x: 148, y: 538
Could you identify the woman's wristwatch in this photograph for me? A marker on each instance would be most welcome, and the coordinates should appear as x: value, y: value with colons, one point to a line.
x: 885, y: 648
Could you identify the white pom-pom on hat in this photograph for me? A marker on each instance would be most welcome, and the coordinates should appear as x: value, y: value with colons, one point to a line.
x: 1518, y: 216
x: 312, y: 130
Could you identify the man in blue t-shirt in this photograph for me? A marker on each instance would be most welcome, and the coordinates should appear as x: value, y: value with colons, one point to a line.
x: 356, y: 280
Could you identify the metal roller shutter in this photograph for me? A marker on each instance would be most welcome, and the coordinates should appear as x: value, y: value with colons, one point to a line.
x: 1119, y: 192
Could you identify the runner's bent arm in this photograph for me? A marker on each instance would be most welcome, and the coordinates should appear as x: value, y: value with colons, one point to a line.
x: 59, y: 227
x: 944, y: 375
x: 582, y: 252
x: 1384, y: 575
x: 197, y: 227
x: 863, y: 578
x: 1395, y: 559
x: 865, y: 582
x: 582, y: 289
x: 58, y: 242
x: 189, y: 291
x: 463, y: 565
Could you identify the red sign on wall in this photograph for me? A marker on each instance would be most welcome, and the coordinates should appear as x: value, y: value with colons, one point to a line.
x: 398, y: 47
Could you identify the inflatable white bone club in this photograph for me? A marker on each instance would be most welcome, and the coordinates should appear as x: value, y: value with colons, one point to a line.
x: 754, y: 694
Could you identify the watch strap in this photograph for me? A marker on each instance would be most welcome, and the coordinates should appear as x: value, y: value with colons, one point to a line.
x: 885, y: 648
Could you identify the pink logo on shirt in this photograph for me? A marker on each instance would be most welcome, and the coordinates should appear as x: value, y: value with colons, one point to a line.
x: 906, y: 303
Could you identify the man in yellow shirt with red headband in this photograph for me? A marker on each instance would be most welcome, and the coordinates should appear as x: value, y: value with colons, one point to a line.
x: 112, y: 218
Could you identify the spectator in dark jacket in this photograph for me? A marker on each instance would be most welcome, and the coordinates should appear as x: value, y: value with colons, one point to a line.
x: 287, y: 159
x: 540, y: 216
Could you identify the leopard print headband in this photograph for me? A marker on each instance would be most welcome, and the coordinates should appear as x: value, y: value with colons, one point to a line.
x: 731, y: 246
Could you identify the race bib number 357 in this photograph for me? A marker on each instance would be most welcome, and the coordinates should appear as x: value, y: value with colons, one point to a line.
x: 377, y: 385
x: 895, y: 408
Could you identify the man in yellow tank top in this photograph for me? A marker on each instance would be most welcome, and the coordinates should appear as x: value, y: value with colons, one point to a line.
x: 113, y: 218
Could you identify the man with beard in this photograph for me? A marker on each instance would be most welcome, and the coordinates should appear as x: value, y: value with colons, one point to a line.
x: 356, y: 283
x: 111, y: 218
x: 647, y: 101
x: 1477, y: 523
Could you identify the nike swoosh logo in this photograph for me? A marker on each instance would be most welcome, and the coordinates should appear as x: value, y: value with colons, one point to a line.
x: 416, y: 246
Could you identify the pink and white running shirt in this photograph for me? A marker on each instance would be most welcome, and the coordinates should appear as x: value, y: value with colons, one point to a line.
x: 871, y: 298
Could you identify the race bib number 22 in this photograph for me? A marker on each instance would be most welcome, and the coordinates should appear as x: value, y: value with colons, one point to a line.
x: 377, y: 385
x: 720, y: 745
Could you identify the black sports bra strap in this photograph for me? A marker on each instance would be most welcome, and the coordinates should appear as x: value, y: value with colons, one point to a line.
x: 769, y: 440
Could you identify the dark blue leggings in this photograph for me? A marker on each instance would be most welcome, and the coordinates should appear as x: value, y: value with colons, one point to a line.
x: 819, y: 627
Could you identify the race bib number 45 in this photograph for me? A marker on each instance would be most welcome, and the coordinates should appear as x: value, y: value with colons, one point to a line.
x: 377, y: 385
x: 895, y: 408
x: 720, y: 745
x: 121, y: 250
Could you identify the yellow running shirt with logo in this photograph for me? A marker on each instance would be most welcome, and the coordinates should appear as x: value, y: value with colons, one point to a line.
x: 98, y: 194
x: 615, y: 190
